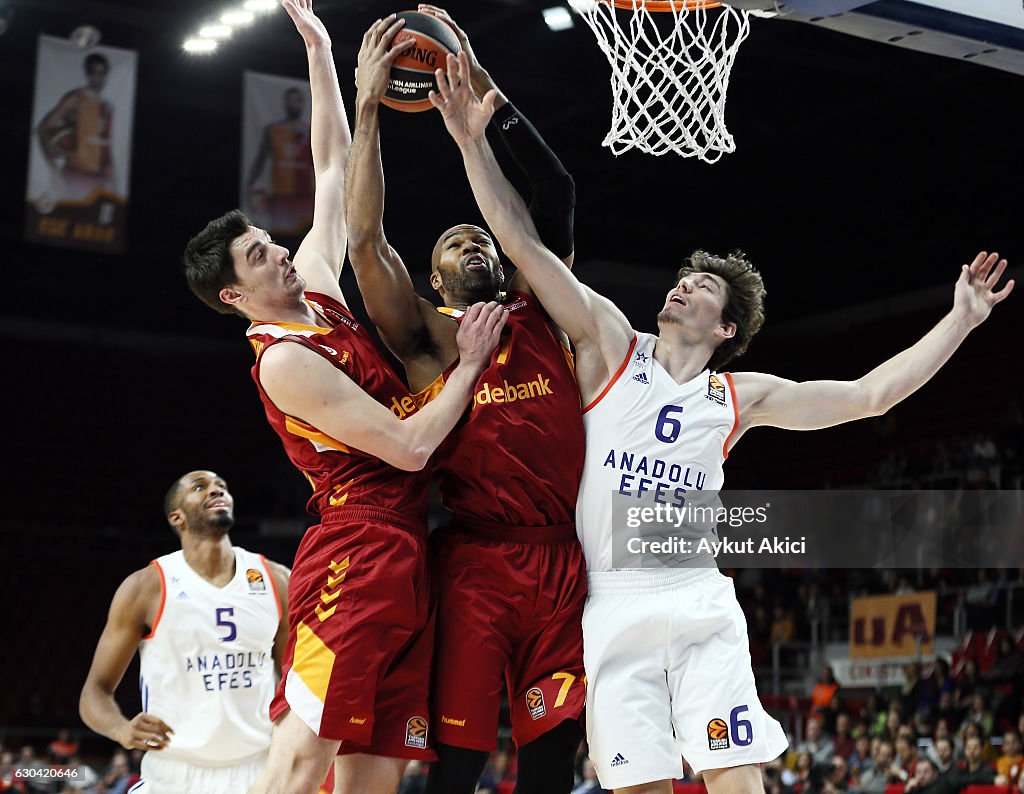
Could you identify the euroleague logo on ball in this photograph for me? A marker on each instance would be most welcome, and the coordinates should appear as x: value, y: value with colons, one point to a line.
x: 412, y: 74
x: 718, y: 734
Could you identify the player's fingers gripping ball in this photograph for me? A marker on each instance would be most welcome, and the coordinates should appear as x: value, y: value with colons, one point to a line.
x: 412, y: 73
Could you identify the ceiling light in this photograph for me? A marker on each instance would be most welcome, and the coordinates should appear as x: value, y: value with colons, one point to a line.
x: 215, y: 31
x: 200, y: 45
x: 558, y: 18
x: 237, y: 18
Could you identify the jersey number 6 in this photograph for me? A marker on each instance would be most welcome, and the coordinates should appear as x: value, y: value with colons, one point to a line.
x: 668, y: 427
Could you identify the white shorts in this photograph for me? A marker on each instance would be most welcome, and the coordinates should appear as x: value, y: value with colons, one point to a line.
x: 668, y: 676
x: 161, y: 775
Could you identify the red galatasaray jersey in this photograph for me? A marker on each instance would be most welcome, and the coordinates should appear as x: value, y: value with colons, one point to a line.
x: 340, y: 474
x: 517, y: 457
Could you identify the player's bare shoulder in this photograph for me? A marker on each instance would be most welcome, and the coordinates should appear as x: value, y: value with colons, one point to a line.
x: 138, y: 598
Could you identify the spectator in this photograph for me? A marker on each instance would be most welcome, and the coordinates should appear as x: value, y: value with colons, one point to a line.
x: 839, y: 773
x: 910, y: 692
x: 1011, y: 763
x: 881, y: 771
x: 946, y: 711
x: 973, y: 770
x: 817, y: 744
x: 118, y: 777
x: 893, y: 721
x: 941, y: 753
x: 824, y: 691
x: 414, y: 779
x: 906, y: 756
x: 772, y: 778
x: 926, y: 780
x: 1006, y: 667
x: 843, y: 741
x: 860, y: 758
x: 967, y: 683
x: 61, y: 749
x: 85, y: 780
x: 496, y: 772
x: 978, y: 714
x: 802, y: 779
x: 782, y: 625
x: 589, y: 784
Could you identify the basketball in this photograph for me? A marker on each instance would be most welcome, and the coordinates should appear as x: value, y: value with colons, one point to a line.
x: 412, y: 74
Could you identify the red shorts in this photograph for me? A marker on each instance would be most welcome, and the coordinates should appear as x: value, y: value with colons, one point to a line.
x: 357, y: 665
x: 509, y: 614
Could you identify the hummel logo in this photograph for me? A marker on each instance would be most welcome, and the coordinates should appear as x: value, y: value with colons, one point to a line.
x: 183, y: 596
x: 618, y: 760
x: 509, y: 123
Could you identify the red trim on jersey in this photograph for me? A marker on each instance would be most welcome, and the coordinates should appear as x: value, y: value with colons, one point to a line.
x: 615, y: 377
x: 163, y: 600
x: 736, y: 413
x: 273, y: 585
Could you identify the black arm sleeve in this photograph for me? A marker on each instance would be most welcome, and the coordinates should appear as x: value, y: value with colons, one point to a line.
x: 554, y: 192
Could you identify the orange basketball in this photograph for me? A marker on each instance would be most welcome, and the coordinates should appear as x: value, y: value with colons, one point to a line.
x: 717, y: 729
x: 412, y: 74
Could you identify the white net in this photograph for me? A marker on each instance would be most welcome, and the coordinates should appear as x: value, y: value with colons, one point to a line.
x: 670, y: 74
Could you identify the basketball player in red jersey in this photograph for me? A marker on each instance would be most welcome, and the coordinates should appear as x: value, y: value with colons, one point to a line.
x: 509, y: 568
x: 356, y: 667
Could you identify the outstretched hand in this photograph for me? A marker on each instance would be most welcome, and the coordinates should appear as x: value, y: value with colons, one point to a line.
x: 478, y: 76
x: 307, y: 23
x: 465, y: 116
x: 975, y: 293
x: 376, y: 55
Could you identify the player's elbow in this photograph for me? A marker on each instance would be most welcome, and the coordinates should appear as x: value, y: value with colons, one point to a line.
x: 873, y: 401
x: 411, y: 458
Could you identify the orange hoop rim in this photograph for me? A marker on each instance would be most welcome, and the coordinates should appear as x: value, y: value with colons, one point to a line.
x: 665, y: 5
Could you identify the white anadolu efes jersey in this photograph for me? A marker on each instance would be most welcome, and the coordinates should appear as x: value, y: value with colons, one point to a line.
x: 207, y: 668
x: 650, y: 442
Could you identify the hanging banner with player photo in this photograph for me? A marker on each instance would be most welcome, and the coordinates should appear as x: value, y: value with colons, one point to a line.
x: 80, y: 148
x: 277, y: 162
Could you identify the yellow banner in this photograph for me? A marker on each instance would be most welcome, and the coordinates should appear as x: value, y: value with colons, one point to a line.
x: 891, y: 626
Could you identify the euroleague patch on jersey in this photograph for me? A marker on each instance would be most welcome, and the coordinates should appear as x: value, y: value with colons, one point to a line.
x: 416, y: 733
x: 535, y: 703
x: 718, y: 734
x: 256, y: 583
x: 716, y: 390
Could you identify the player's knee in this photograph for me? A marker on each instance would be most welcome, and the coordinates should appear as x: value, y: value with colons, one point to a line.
x: 457, y: 770
x: 546, y: 764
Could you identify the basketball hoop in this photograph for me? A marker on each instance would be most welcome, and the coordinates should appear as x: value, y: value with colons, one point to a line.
x: 669, y: 78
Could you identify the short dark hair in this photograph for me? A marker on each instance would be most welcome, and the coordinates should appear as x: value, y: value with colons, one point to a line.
x: 171, y: 502
x: 745, y: 304
x: 95, y: 59
x: 208, y: 263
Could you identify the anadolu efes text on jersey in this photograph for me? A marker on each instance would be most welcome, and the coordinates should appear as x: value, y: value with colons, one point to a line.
x: 207, y: 666
x: 340, y: 474
x: 650, y: 441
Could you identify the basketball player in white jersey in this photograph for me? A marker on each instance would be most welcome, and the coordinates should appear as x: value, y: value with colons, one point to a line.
x: 666, y: 651
x: 210, y: 624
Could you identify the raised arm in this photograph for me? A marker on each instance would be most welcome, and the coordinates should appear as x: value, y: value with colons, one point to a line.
x: 399, y: 314
x: 133, y: 604
x: 552, y: 190
x: 321, y: 255
x: 307, y: 386
x: 53, y: 122
x: 768, y: 400
x: 600, y: 332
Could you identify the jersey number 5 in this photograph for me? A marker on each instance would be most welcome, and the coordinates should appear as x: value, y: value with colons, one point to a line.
x: 222, y: 614
x: 668, y: 427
